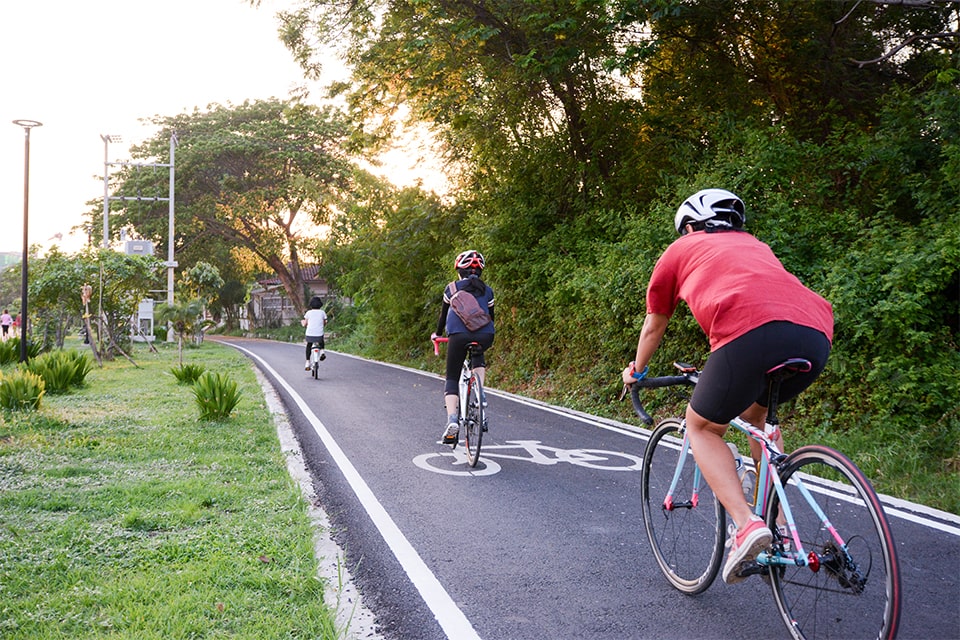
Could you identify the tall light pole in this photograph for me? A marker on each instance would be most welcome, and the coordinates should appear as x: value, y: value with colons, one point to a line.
x: 27, y: 125
x: 107, y: 139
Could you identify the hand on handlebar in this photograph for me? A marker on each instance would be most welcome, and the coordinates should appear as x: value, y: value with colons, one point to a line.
x: 630, y: 374
x: 436, y: 340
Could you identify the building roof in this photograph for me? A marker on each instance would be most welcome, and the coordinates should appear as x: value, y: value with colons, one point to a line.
x: 309, y: 272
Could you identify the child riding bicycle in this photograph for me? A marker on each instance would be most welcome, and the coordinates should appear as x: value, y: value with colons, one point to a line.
x: 315, y: 319
x: 756, y: 315
x: 469, y: 266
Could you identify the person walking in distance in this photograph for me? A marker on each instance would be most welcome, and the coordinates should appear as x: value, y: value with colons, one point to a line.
x: 469, y: 266
x: 756, y: 315
x: 315, y: 319
x: 6, y: 321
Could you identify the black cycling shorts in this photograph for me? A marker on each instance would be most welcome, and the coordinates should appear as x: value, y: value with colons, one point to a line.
x: 457, y: 351
x: 734, y: 376
x: 314, y: 340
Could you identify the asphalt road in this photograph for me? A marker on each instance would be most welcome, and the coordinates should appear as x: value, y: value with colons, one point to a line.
x: 547, y: 540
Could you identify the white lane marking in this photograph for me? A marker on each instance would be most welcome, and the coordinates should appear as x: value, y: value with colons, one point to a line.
x: 916, y: 513
x: 452, y: 620
x: 894, y: 507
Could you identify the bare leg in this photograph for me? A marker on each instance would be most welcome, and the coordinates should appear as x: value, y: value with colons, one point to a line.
x: 757, y: 416
x: 452, y: 403
x: 716, y: 463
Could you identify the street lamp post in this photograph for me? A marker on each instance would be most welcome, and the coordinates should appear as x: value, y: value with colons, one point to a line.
x: 27, y: 125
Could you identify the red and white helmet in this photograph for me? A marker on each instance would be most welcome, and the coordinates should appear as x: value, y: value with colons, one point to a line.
x: 469, y: 259
x: 719, y: 205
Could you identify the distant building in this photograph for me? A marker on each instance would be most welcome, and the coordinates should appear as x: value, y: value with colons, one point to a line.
x: 8, y: 258
x: 270, y: 306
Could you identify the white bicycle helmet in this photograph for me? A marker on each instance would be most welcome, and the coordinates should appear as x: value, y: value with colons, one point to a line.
x: 469, y: 259
x: 717, y: 205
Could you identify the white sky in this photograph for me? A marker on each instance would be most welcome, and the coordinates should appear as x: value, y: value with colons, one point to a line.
x: 89, y: 67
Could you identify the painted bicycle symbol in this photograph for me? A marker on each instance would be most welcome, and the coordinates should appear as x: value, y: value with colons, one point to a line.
x: 454, y: 462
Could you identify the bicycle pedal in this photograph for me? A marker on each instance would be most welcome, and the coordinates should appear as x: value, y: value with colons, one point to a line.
x: 751, y: 568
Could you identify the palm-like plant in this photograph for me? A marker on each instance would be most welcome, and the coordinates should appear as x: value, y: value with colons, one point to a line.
x: 183, y: 317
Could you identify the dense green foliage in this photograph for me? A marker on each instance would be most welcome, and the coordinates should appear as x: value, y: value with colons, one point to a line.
x: 117, y: 283
x: 569, y: 174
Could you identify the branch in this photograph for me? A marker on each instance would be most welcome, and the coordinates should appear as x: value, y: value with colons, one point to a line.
x: 906, y: 43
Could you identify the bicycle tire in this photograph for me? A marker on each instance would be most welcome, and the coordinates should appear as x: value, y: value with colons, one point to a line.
x: 853, y: 595
x: 473, y: 423
x: 687, y: 540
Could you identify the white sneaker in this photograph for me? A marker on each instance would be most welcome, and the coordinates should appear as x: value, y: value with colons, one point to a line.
x: 452, y: 434
x: 306, y: 367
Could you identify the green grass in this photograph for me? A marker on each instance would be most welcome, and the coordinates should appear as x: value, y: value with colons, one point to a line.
x: 124, y: 516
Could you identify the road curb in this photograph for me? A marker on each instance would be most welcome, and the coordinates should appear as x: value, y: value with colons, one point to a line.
x: 354, y: 620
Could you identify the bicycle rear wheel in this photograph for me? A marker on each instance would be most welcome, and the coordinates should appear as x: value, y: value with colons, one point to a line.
x: 849, y: 590
x: 473, y: 424
x: 685, y: 529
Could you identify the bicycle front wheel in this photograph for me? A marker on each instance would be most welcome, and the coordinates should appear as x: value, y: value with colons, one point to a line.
x: 685, y: 526
x: 849, y: 586
x: 473, y: 424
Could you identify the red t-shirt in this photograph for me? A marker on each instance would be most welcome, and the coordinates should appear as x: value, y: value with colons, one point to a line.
x: 733, y: 283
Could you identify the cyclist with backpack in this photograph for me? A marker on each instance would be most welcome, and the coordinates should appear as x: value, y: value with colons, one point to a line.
x: 756, y: 315
x: 473, y: 298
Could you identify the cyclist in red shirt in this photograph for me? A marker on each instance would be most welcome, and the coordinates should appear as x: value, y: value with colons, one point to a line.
x: 756, y: 315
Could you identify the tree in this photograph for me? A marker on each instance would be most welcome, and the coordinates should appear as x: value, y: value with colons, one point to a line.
x: 118, y: 282
x: 260, y: 177
x: 184, y: 318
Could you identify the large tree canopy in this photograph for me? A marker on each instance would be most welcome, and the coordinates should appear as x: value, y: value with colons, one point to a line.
x: 261, y: 178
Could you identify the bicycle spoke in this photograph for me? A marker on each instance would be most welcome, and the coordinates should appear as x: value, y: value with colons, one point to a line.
x: 849, y: 586
x: 686, y: 533
x: 473, y: 423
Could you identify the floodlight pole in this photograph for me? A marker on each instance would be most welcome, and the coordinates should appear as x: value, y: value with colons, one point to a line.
x: 27, y: 125
x: 107, y: 139
x: 171, y: 263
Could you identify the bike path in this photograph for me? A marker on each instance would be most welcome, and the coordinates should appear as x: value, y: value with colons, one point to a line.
x: 551, y: 544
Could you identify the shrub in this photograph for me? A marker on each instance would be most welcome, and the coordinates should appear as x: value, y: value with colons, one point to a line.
x: 57, y: 369
x: 187, y: 373
x: 216, y: 395
x: 84, y: 365
x: 21, y: 391
x: 9, y: 351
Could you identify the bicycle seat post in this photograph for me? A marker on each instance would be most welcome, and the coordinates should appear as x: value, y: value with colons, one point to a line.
x: 777, y: 375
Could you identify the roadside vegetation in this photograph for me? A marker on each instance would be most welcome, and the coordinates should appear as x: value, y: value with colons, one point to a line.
x: 123, y: 515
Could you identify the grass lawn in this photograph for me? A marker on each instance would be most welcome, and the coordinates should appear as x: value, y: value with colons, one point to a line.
x: 124, y: 516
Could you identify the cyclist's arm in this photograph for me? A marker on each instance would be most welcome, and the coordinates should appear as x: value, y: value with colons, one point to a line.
x: 442, y: 320
x: 654, y: 326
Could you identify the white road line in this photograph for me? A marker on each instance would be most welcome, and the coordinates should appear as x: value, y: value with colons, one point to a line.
x: 452, y: 620
x: 894, y: 507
